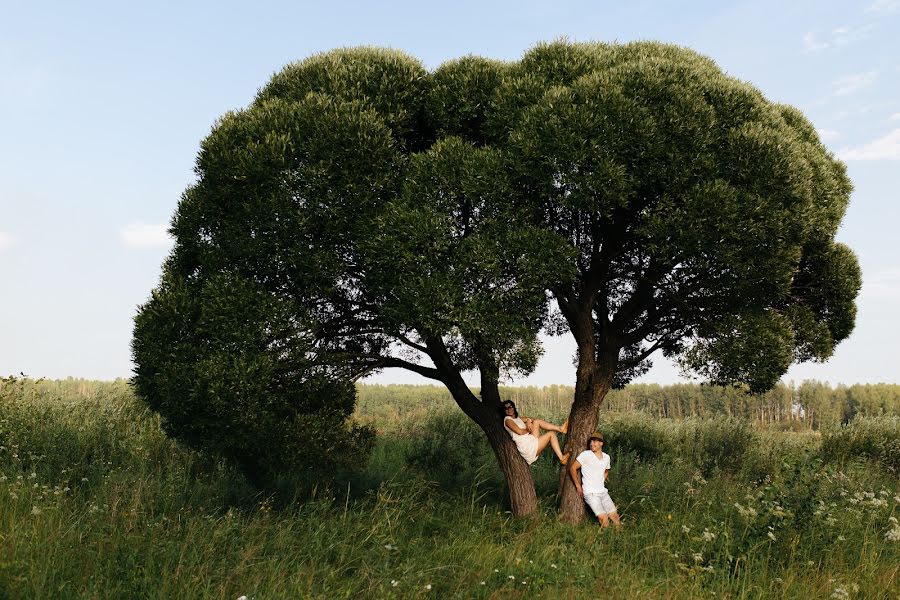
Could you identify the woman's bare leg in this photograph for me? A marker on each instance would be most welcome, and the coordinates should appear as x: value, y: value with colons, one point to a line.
x: 546, y: 426
x: 551, y: 440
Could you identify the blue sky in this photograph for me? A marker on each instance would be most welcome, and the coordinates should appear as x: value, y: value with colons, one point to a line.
x: 103, y: 106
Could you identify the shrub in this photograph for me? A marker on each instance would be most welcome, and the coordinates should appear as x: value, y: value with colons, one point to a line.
x: 637, y: 433
x: 232, y: 371
x: 451, y: 450
x: 720, y: 443
x: 876, y: 438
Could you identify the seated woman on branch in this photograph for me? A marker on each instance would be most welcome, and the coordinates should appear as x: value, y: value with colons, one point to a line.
x: 526, y: 433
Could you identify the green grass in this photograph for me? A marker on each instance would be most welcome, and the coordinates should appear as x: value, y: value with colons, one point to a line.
x: 95, y: 502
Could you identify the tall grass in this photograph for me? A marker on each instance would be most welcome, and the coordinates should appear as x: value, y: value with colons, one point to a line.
x: 96, y: 503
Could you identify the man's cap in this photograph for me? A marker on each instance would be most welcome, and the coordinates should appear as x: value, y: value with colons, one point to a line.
x: 596, y: 436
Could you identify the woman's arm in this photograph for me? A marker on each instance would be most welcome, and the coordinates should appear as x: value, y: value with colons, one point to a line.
x: 511, y: 424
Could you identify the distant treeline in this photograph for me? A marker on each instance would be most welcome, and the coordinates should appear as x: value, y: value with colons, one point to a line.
x: 809, y: 405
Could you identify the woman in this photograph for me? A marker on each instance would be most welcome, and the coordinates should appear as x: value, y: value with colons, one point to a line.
x: 526, y: 433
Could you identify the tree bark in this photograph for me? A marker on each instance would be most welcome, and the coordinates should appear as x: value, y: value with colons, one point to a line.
x: 486, y: 414
x: 593, y: 381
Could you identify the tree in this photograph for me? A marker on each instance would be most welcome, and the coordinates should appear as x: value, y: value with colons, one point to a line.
x: 411, y: 217
x: 703, y: 217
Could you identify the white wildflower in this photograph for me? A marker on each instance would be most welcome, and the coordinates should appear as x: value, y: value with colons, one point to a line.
x: 394, y: 583
x: 685, y: 529
x: 893, y: 535
x: 428, y: 586
x: 698, y: 557
x: 771, y: 536
x: 35, y: 510
x: 708, y: 535
x: 840, y: 593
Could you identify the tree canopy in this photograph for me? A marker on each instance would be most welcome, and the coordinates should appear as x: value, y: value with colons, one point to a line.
x: 634, y: 196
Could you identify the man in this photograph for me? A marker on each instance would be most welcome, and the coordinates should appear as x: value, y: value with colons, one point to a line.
x: 594, y: 464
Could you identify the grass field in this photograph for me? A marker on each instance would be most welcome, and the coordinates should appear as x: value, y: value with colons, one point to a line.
x: 95, y: 502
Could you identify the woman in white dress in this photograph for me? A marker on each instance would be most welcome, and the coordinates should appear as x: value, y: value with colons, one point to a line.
x: 526, y: 433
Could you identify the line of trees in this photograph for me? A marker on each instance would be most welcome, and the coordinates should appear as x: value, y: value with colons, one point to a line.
x: 808, y: 405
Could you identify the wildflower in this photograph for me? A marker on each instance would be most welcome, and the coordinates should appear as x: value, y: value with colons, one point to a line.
x: 394, y: 583
x: 482, y: 583
x: 242, y: 598
x: 698, y: 557
x: 669, y: 517
x: 33, y: 475
x: 552, y: 566
x: 893, y: 535
x: 35, y: 510
x: 428, y: 586
x: 390, y: 547
x: 2, y: 477
x: 840, y: 593
x: 841, y: 538
x: 708, y: 535
x: 685, y: 529
x: 510, y: 576
x: 771, y: 536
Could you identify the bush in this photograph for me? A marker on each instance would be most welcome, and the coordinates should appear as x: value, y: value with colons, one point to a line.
x: 637, y: 433
x: 720, y: 443
x: 232, y: 371
x: 876, y: 438
x: 451, y: 450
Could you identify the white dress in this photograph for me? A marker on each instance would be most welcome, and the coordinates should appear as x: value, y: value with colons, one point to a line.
x: 525, y: 442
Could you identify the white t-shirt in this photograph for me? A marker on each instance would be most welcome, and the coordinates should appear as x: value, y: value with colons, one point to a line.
x: 593, y: 471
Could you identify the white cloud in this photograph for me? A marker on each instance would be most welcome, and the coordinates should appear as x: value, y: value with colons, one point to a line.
x: 836, y: 38
x: 139, y: 235
x: 894, y: 117
x: 811, y: 45
x: 884, y: 6
x: 884, y: 148
x: 853, y: 83
x: 828, y: 134
x: 6, y: 240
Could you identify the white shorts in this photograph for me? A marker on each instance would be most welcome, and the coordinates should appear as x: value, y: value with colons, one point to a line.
x: 600, y: 503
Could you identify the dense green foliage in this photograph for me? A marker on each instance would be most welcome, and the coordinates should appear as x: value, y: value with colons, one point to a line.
x: 223, y: 363
x: 95, y: 502
x: 364, y: 213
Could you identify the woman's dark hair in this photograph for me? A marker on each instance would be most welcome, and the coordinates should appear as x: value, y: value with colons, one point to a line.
x: 506, y: 403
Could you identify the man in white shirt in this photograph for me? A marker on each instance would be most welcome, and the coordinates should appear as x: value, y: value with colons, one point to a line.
x: 594, y: 464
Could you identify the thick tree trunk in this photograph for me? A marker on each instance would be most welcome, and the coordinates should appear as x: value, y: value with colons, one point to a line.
x: 486, y: 414
x: 519, y: 480
x: 593, y: 381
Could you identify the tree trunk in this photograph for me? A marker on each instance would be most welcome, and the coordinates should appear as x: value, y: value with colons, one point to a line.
x: 519, y: 480
x: 486, y: 414
x: 593, y: 381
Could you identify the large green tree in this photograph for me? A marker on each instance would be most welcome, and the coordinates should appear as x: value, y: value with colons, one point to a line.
x: 633, y: 196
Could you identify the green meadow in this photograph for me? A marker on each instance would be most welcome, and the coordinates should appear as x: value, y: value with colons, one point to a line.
x: 95, y: 502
